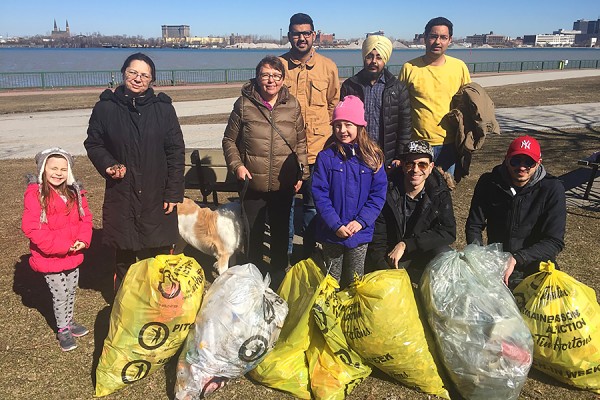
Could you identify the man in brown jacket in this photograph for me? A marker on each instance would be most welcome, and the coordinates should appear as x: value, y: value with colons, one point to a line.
x: 313, y: 80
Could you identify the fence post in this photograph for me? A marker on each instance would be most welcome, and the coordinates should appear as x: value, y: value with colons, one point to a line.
x: 521, y: 66
x: 499, y: 67
x: 226, y: 76
x: 43, y: 79
x: 172, y: 78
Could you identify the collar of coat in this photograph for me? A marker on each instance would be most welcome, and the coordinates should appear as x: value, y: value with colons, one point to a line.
x: 119, y: 96
x: 293, y: 63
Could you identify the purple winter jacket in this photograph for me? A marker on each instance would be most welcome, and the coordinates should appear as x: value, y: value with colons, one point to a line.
x: 346, y: 190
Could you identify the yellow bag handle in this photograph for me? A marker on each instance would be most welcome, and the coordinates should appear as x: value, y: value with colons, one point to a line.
x: 547, y: 266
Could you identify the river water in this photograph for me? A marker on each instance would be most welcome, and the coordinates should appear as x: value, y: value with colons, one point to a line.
x: 37, y: 59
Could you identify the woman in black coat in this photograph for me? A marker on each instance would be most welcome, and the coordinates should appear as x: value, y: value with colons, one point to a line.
x: 135, y: 142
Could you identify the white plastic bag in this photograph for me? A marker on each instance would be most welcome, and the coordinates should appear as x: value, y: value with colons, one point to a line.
x: 237, y: 325
x: 485, y: 344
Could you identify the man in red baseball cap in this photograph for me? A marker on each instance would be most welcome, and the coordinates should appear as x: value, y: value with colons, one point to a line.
x: 521, y: 206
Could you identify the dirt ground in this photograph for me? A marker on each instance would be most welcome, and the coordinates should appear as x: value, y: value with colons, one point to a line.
x: 33, y: 366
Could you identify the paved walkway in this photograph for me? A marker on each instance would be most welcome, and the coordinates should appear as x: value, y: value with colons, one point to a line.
x: 22, y: 135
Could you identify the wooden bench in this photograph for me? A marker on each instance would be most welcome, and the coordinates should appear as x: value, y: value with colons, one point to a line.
x: 205, y: 169
x: 592, y: 162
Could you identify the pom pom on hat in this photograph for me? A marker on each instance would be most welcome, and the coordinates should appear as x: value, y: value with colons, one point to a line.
x: 380, y: 43
x: 351, y: 109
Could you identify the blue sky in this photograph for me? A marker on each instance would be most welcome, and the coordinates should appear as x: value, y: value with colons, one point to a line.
x: 347, y: 19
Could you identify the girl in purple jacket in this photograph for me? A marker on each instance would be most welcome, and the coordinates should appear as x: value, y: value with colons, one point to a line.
x: 349, y: 188
x: 58, y: 223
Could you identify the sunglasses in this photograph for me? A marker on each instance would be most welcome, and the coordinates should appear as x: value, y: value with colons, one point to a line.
x: 526, y: 162
x: 303, y: 33
x: 409, y: 165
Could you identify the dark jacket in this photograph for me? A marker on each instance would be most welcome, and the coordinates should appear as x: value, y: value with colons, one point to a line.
x: 144, y: 135
x: 250, y: 140
x: 530, y: 224
x: 396, y: 123
x: 345, y: 191
x: 432, y: 225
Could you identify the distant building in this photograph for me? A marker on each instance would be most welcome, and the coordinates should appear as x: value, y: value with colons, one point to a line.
x: 207, y: 41
x: 57, y: 33
x: 489, y: 39
x: 590, y: 32
x: 548, y: 40
x: 325, y: 39
x: 237, y: 39
x: 175, y: 34
x: 377, y: 33
x: 585, y: 26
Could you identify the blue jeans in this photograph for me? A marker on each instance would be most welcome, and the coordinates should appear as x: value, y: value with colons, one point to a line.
x: 445, y: 156
x: 309, y: 212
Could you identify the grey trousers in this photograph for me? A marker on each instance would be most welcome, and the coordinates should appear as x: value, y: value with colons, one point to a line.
x: 343, y: 262
x: 62, y: 287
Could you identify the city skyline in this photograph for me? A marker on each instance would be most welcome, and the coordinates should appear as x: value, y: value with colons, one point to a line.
x: 345, y: 19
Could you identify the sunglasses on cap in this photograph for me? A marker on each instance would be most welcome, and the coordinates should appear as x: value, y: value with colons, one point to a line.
x: 523, y: 161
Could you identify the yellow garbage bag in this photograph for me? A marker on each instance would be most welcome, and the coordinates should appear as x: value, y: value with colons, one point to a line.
x: 152, y: 314
x: 564, y: 318
x: 285, y: 368
x: 381, y: 323
x: 335, y: 369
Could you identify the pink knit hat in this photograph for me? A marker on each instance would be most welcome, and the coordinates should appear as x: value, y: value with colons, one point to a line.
x: 351, y: 109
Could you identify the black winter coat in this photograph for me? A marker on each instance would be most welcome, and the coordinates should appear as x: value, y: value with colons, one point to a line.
x: 530, y: 224
x: 395, y: 120
x: 432, y: 225
x: 143, y: 134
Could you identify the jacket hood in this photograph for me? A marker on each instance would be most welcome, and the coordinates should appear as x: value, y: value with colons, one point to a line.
x: 539, y: 174
x: 119, y: 96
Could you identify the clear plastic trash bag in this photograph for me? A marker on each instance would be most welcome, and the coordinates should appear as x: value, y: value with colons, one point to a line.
x: 484, y: 343
x: 238, y: 324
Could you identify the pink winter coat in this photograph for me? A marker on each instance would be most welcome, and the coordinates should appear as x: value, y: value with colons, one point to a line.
x: 49, y: 242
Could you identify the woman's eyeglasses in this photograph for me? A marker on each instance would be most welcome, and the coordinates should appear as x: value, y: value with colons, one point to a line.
x: 526, y: 162
x: 265, y: 77
x: 132, y: 74
x: 409, y: 165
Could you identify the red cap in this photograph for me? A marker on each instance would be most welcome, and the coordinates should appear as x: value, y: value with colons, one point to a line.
x: 525, y: 145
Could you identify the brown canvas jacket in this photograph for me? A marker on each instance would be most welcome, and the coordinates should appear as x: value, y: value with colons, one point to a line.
x: 317, y: 87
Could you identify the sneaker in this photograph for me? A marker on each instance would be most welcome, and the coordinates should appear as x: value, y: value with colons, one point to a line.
x: 78, y: 330
x: 66, y: 341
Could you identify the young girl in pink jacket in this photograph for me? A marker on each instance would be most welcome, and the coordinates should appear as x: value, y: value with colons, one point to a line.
x: 58, y: 223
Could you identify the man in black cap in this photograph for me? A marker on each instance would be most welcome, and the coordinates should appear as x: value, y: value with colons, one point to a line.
x: 417, y: 222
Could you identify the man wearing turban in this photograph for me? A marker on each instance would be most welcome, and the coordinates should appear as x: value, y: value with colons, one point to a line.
x: 386, y: 99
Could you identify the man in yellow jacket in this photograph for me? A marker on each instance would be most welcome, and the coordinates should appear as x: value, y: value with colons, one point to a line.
x: 313, y: 80
x: 432, y: 80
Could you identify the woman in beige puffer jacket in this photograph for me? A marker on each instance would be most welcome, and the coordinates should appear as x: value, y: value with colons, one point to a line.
x: 255, y: 149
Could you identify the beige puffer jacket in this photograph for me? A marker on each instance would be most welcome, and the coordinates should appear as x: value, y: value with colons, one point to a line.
x: 250, y: 140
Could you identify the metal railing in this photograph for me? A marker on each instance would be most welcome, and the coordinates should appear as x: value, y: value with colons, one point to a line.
x: 49, y: 80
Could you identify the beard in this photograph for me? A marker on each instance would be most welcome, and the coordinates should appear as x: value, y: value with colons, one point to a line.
x: 372, y: 76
